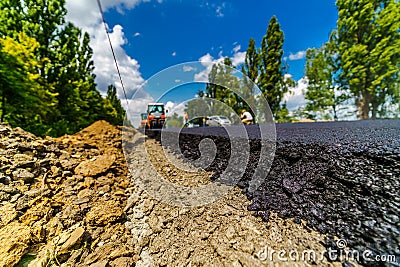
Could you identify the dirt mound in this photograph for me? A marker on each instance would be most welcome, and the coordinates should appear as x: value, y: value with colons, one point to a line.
x: 69, y: 193
x: 99, y: 135
x: 98, y: 129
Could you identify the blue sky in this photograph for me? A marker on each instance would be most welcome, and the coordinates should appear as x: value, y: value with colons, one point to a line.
x: 163, y: 34
x: 151, y: 35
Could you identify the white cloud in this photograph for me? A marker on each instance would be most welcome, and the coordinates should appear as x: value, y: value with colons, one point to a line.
x: 86, y: 15
x: 208, y: 61
x: 287, y: 76
x: 172, y: 107
x: 207, y: 58
x: 105, y: 69
x: 187, y: 68
x: 213, y: 7
x: 238, y: 58
x: 137, y: 34
x: 236, y: 48
x: 173, y: 54
x: 298, y: 55
x: 219, y: 11
x: 295, y: 97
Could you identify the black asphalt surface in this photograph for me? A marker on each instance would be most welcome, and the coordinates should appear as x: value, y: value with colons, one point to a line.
x: 342, y: 178
x: 357, y: 134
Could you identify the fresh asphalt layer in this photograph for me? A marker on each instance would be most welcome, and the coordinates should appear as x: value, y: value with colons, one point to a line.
x: 380, y: 133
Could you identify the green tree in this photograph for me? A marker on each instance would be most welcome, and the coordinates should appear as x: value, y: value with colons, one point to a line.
x: 114, y: 112
x: 263, y: 67
x: 93, y: 107
x: 283, y: 114
x: 11, y: 18
x: 223, y: 86
x: 323, y: 92
x: 302, y: 114
x: 43, y: 20
x: 66, y: 66
x: 13, y: 80
x: 79, y: 102
x: 271, y: 77
x: 369, y: 52
x: 320, y: 92
x: 25, y: 101
x: 250, y: 70
x: 175, y: 121
x: 251, y: 62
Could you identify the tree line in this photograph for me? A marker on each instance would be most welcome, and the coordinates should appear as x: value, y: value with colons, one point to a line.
x: 46, y: 71
x: 356, y: 69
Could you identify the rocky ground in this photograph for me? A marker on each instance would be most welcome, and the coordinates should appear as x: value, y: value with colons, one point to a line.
x: 72, y: 202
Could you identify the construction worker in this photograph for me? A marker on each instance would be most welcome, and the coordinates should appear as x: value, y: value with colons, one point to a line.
x: 246, y: 117
x: 186, y: 118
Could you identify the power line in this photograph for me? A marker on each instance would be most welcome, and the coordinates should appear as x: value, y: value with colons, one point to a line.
x: 112, y: 50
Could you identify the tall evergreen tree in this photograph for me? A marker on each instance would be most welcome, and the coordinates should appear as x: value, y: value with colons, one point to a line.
x: 250, y: 70
x: 271, y: 77
x: 369, y: 52
x: 263, y: 67
x: 251, y: 64
x: 89, y: 93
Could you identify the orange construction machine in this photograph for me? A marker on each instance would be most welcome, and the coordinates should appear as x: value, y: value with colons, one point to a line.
x: 155, y: 116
